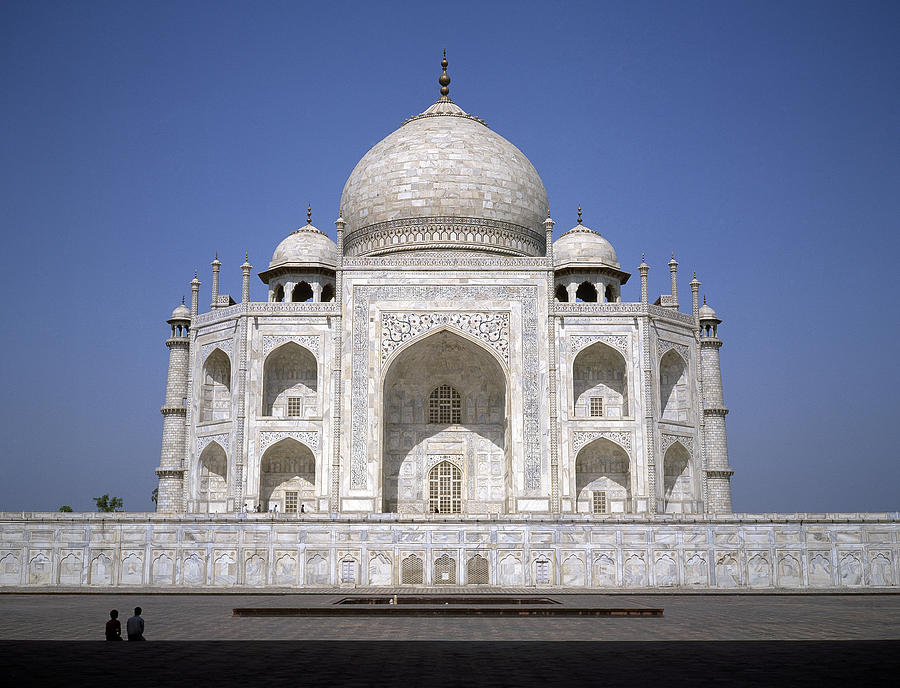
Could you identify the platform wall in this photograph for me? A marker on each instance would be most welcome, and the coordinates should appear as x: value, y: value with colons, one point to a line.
x: 62, y: 551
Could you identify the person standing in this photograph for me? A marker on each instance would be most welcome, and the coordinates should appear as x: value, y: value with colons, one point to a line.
x: 114, y: 626
x: 135, y: 626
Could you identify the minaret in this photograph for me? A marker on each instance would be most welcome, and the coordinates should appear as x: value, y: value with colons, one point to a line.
x: 715, y: 443
x: 171, y: 472
x: 673, y: 274
x: 695, y: 298
x: 644, y: 269
x: 216, y: 265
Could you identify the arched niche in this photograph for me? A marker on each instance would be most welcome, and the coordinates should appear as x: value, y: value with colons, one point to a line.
x: 212, y: 477
x: 215, y: 392
x: 475, y: 436
x: 674, y: 392
x: 678, y: 480
x: 290, y: 380
x: 561, y: 294
x: 328, y: 293
x: 287, y: 477
x: 603, y: 478
x: 278, y: 293
x: 599, y: 372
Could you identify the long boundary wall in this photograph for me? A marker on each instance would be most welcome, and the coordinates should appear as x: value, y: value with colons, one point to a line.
x: 50, y: 551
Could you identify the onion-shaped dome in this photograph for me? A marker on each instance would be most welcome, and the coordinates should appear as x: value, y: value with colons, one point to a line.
x: 444, y: 180
x: 181, y: 312
x: 305, y: 247
x: 707, y: 313
x: 582, y: 245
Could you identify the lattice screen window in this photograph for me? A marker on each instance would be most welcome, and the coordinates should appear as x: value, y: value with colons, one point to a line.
x: 478, y: 571
x: 596, y: 407
x: 411, y: 570
x: 348, y: 571
x: 445, y: 489
x: 445, y: 570
x: 599, y: 504
x: 542, y: 572
x: 444, y: 405
x: 290, y: 502
x: 295, y: 406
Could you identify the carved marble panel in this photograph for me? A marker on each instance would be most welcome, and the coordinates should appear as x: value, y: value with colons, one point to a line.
x: 310, y: 439
x: 491, y: 327
x: 311, y: 342
x: 580, y: 439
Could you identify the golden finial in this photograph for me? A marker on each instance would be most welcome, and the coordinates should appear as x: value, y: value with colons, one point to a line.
x: 195, y: 274
x: 444, y: 78
x: 182, y: 299
x: 579, y: 214
x: 308, y: 214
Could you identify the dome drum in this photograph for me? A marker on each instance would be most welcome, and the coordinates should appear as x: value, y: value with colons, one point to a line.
x: 446, y: 233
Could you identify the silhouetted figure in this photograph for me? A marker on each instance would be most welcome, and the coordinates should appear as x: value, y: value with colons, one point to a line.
x: 302, y: 508
x: 259, y: 508
x: 135, y: 626
x: 114, y: 626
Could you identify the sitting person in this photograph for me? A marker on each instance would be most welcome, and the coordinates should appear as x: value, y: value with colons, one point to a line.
x: 114, y: 626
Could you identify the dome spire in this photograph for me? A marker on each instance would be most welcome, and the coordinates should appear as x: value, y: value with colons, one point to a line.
x: 579, y: 214
x: 444, y: 78
x: 308, y: 214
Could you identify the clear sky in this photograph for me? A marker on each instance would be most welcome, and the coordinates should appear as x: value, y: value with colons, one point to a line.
x: 758, y: 140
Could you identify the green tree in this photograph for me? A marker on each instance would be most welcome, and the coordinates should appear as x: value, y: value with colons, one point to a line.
x: 107, y: 504
x: 66, y: 508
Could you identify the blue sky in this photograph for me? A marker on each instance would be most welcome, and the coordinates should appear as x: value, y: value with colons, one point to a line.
x: 758, y: 140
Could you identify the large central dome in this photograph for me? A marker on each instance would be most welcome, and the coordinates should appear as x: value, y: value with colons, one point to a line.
x: 444, y: 180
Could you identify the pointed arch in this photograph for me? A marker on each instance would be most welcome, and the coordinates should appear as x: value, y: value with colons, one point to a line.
x: 212, y: 479
x: 600, y: 383
x: 562, y: 295
x: 215, y: 393
x: 290, y: 372
x: 603, y: 478
x: 678, y: 480
x: 472, y: 375
x: 287, y: 477
x: 327, y: 293
x: 301, y: 292
x: 674, y: 391
x: 586, y: 293
x: 278, y: 293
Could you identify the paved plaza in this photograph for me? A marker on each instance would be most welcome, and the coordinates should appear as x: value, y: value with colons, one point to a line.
x: 802, y: 639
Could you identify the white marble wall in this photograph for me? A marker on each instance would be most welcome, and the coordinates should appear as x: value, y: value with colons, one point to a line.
x: 750, y: 552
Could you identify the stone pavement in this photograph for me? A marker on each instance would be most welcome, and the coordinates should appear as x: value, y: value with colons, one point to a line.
x: 208, y: 617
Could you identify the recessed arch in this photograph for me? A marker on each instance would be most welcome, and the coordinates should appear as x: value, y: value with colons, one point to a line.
x: 215, y: 392
x: 600, y: 383
x: 562, y: 295
x: 478, y: 442
x: 290, y: 382
x: 287, y: 477
x: 678, y: 480
x: 674, y: 391
x: 278, y: 293
x: 327, y: 293
x: 603, y: 476
x: 212, y: 477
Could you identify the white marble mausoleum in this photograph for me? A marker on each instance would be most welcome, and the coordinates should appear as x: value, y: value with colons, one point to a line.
x: 446, y: 394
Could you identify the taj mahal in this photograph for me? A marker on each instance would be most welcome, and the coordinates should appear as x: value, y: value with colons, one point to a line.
x: 446, y: 395
x: 445, y: 356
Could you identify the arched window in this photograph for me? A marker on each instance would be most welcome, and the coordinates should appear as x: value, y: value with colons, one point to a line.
x: 278, y: 294
x: 444, y: 405
x: 561, y: 294
x: 215, y: 399
x: 586, y: 293
x: 302, y: 292
x: 677, y: 479
x: 674, y: 395
x: 328, y: 293
x: 603, y: 478
x: 445, y: 489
